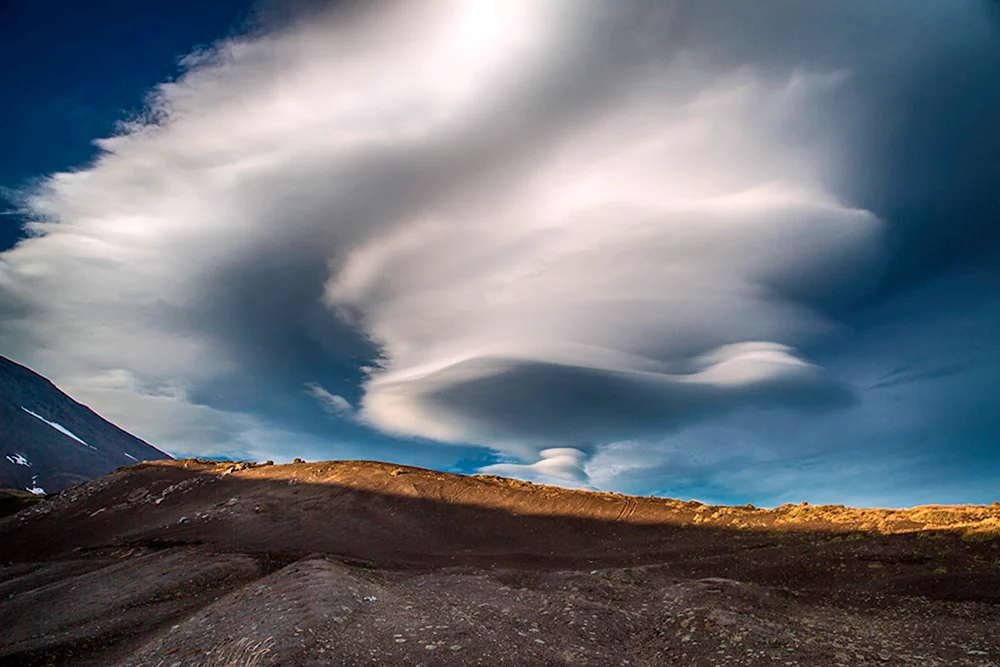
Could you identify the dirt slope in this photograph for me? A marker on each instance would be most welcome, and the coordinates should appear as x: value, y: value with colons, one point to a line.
x: 178, y: 562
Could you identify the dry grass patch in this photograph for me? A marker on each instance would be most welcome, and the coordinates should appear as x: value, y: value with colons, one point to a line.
x: 242, y: 653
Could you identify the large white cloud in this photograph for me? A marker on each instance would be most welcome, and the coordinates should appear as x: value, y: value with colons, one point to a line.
x: 557, y: 231
x: 637, y: 277
x: 270, y: 150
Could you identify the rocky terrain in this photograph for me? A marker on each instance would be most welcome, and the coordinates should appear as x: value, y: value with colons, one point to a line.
x: 176, y: 563
x: 49, y: 442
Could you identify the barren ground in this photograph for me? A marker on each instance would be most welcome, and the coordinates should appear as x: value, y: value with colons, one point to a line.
x: 178, y: 563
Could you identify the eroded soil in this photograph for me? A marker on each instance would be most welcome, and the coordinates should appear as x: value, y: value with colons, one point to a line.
x: 356, y: 563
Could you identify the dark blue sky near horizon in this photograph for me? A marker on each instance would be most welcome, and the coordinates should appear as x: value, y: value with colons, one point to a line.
x: 311, y: 249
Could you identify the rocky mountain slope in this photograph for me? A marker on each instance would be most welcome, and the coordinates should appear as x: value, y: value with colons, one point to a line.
x: 179, y: 563
x: 49, y: 442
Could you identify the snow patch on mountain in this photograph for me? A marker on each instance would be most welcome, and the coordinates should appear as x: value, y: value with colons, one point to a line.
x: 34, y: 488
x: 18, y: 459
x: 59, y: 427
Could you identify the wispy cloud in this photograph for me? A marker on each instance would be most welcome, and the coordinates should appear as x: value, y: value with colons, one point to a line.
x: 334, y: 404
x: 901, y: 376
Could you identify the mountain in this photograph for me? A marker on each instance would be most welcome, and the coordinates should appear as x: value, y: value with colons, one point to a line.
x: 196, y: 563
x: 49, y: 442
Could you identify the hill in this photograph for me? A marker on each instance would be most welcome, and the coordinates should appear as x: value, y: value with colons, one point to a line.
x: 49, y: 442
x: 362, y: 563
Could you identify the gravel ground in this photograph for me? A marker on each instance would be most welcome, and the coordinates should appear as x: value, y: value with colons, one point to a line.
x: 171, y: 566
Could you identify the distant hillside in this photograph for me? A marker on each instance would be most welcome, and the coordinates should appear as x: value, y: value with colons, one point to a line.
x: 49, y: 442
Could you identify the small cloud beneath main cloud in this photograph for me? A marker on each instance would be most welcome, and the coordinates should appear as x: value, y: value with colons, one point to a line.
x: 561, y: 466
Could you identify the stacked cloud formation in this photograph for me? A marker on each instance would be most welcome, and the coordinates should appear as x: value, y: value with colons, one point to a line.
x: 543, y: 227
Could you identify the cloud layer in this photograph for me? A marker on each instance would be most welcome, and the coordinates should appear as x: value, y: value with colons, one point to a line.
x: 651, y: 269
x: 538, y: 226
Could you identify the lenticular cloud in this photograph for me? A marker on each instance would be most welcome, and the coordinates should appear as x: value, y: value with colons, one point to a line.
x: 556, y: 233
x: 641, y: 274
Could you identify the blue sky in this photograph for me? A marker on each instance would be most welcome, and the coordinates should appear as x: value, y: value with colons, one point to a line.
x: 73, y: 70
x: 731, y: 251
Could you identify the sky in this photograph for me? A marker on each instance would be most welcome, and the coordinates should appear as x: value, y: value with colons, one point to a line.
x: 738, y: 252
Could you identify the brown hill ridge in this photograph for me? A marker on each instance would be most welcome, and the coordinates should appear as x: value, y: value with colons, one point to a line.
x: 398, y: 514
x: 527, y: 498
x: 351, y: 562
